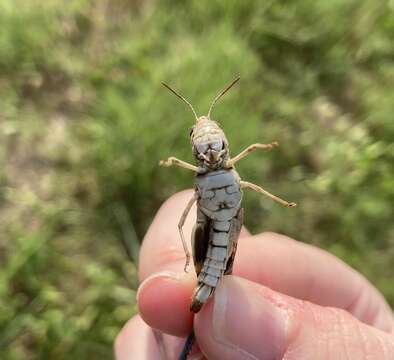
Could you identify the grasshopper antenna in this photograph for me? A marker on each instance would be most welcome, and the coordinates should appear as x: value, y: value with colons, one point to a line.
x: 221, y: 94
x: 182, y: 98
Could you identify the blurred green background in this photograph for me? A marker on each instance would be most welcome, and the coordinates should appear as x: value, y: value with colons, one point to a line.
x: 84, y: 122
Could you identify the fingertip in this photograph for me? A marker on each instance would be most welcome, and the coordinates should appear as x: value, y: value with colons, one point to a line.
x: 164, y: 301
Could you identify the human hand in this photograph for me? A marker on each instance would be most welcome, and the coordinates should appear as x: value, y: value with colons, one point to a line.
x: 287, y: 300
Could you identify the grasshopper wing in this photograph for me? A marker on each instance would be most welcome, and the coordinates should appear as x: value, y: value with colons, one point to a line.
x: 236, y: 225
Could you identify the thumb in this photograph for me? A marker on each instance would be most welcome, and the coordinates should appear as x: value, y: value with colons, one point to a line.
x: 248, y: 321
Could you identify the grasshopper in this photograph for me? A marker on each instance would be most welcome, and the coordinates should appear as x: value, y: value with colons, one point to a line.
x: 218, y: 193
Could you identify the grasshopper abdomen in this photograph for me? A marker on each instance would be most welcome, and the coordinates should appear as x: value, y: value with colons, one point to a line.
x: 219, y: 203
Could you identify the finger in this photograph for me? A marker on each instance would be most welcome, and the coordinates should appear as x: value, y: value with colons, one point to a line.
x: 164, y: 300
x: 138, y: 341
x: 165, y: 294
x: 249, y: 321
x: 295, y: 269
x: 309, y: 273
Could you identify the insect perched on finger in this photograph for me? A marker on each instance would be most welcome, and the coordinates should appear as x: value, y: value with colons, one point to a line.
x: 218, y: 193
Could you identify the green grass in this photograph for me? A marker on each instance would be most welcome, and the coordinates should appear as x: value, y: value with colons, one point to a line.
x: 84, y: 122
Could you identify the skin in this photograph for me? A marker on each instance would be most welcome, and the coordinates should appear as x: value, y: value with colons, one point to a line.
x: 286, y: 301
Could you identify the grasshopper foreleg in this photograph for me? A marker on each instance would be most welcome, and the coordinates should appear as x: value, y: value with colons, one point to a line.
x: 174, y: 161
x: 245, y: 184
x: 180, y: 227
x: 249, y: 150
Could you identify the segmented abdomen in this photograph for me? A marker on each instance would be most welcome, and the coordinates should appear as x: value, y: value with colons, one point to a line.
x: 222, y: 243
x: 217, y: 254
x: 220, y: 198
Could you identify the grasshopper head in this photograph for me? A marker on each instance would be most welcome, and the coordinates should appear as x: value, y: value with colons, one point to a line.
x: 209, y: 144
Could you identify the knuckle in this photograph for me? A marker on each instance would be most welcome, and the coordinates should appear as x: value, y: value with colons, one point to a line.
x: 386, y: 346
x: 353, y: 336
x: 370, y: 310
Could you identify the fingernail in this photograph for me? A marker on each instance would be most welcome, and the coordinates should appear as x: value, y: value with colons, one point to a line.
x: 247, y: 322
x: 162, y: 274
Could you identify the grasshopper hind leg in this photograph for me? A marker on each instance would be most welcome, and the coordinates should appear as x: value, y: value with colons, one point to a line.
x: 200, y: 239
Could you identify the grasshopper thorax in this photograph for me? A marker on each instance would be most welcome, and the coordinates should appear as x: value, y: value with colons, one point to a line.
x: 209, y: 144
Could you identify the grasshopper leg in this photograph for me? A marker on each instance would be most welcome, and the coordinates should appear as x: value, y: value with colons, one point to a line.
x: 245, y: 184
x: 174, y: 161
x: 180, y: 227
x: 249, y: 150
